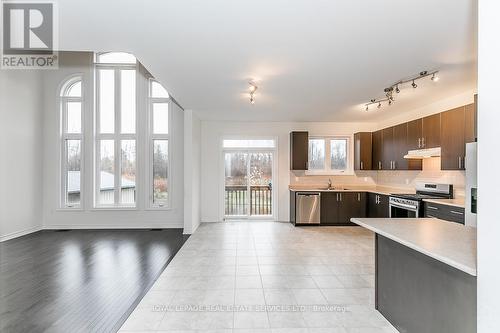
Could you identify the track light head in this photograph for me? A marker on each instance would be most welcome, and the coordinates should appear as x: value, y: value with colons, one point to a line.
x: 366, y: 109
x: 397, y: 89
x: 379, y: 105
x: 414, y: 85
x: 434, y: 77
x: 372, y: 100
x: 390, y: 102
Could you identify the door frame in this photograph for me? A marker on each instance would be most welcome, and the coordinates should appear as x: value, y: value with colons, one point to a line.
x: 275, y: 188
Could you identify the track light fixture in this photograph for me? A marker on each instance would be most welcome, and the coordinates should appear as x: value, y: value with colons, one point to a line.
x: 253, y: 88
x: 396, y: 87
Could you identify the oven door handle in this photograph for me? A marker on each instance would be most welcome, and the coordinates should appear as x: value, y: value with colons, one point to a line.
x: 401, y: 205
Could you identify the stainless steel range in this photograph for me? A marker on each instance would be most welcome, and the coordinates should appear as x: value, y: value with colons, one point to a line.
x: 410, y: 205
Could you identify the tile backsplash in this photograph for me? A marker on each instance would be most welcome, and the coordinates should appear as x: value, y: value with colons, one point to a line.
x: 401, y: 179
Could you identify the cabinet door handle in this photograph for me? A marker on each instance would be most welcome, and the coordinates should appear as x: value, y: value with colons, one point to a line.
x: 359, y: 196
x: 459, y: 162
x: 423, y: 142
x: 361, y: 165
x: 419, y: 142
x: 455, y: 212
x: 431, y: 207
x: 380, y: 165
x: 337, y: 196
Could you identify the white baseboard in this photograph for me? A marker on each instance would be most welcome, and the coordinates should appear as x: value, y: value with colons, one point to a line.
x: 20, y: 233
x: 111, y: 226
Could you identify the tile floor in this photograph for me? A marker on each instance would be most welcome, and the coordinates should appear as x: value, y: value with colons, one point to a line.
x: 265, y: 277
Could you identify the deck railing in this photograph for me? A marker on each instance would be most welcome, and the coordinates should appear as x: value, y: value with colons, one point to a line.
x: 239, y: 202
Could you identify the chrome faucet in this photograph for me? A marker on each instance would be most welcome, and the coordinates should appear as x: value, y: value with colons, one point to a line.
x: 329, y: 183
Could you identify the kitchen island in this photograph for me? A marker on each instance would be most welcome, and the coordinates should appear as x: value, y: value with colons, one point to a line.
x: 425, y: 279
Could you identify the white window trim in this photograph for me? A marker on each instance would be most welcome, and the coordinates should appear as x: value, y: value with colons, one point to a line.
x: 166, y: 205
x: 63, y: 136
x: 327, y: 171
x: 117, y: 136
x: 276, y: 176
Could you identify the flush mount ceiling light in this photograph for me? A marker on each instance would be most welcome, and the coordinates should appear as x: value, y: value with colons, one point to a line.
x: 396, y: 87
x: 252, y: 89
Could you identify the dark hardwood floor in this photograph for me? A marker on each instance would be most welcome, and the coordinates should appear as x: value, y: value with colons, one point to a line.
x: 80, y: 280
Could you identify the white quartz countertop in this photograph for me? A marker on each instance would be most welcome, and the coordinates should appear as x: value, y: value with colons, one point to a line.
x: 451, y: 243
x: 457, y: 202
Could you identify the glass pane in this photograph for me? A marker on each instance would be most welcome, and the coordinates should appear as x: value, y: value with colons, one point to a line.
x: 107, y: 100
x: 236, y: 181
x: 128, y: 166
x: 338, y: 151
x: 107, y: 172
x: 249, y: 144
x: 73, y: 169
x: 261, y: 181
x: 116, y: 58
x: 128, y: 101
x: 74, y: 117
x: 160, y: 172
x: 316, y: 154
x: 75, y: 90
x: 157, y: 90
x: 160, y: 118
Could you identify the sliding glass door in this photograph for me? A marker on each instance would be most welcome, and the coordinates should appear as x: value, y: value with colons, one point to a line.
x: 248, y: 181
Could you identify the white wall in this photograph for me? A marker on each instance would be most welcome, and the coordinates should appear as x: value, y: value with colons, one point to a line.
x: 488, y: 217
x: 213, y: 132
x: 192, y: 176
x: 21, y: 147
x: 71, y: 63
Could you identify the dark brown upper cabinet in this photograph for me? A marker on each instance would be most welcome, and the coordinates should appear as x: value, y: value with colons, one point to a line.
x: 471, y: 122
x: 363, y: 151
x: 431, y: 131
x: 388, y: 155
x: 299, y: 150
x: 377, y: 150
x: 414, y: 137
x: 453, y: 139
x: 401, y: 149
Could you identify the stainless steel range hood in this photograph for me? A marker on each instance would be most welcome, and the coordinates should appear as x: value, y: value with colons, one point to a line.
x: 423, y: 153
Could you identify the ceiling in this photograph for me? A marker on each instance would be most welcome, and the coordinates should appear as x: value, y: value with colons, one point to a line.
x: 313, y: 60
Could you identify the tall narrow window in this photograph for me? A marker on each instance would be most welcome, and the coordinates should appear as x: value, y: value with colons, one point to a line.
x: 116, y: 130
x: 71, y: 143
x: 159, y: 145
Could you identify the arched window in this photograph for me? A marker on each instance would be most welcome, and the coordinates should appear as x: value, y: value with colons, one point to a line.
x: 159, y: 144
x: 71, y: 142
x: 116, y: 58
x: 116, y: 134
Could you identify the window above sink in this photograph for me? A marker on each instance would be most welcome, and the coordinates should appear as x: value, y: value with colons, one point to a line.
x: 330, y: 155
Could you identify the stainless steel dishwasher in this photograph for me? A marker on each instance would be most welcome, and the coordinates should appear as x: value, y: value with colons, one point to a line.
x: 308, y: 206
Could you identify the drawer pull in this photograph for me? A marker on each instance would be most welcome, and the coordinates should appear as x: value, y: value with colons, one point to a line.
x: 430, y: 207
x: 455, y: 212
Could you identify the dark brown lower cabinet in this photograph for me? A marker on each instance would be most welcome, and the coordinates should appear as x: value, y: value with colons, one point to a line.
x: 337, y: 208
x: 445, y: 212
x: 378, y: 205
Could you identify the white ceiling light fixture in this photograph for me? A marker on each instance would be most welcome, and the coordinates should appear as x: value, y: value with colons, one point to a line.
x: 389, y: 98
x: 253, y: 88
